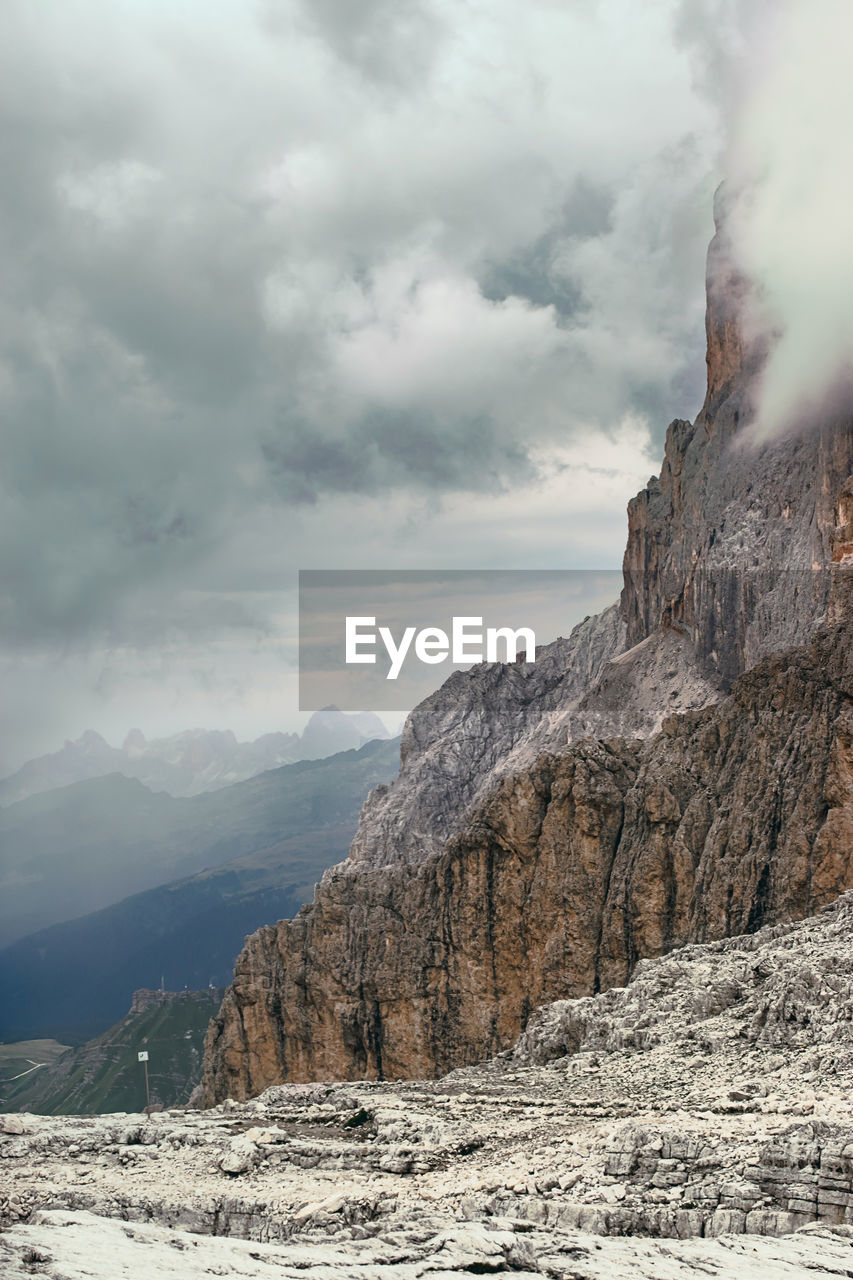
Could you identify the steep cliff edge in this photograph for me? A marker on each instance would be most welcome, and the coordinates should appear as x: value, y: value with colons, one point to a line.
x: 732, y: 817
x: 731, y: 543
x: 553, y: 824
x: 727, y: 560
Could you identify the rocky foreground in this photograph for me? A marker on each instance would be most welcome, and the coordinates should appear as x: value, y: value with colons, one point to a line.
x: 697, y: 1121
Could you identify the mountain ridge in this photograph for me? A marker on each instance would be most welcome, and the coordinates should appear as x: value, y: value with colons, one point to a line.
x: 192, y: 762
x: 105, y: 1075
x: 82, y: 847
x: 451, y: 919
x: 249, y: 854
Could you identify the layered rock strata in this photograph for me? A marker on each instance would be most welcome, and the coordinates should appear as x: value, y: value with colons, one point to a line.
x: 727, y: 560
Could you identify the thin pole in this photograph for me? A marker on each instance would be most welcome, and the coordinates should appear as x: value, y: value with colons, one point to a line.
x: 147, y: 1094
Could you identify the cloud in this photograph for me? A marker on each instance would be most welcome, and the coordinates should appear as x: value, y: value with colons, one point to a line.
x: 391, y: 42
x: 722, y: 38
x: 285, y: 282
x: 790, y: 225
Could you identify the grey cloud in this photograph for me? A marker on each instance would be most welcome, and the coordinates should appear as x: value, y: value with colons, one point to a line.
x: 390, y: 41
x: 779, y: 73
x: 271, y: 284
x: 386, y: 450
x: 530, y: 273
x: 718, y: 35
x: 792, y: 190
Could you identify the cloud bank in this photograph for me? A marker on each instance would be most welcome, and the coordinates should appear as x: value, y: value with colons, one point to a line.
x: 789, y: 167
x: 305, y: 283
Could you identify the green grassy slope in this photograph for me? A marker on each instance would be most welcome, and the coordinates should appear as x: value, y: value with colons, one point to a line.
x: 105, y: 1074
x: 22, y: 1060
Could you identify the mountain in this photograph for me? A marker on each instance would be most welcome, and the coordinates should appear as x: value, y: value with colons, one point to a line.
x: 74, y: 979
x: 105, y: 1075
x: 72, y: 851
x: 679, y: 769
x: 330, y: 730
x: 190, y: 763
x: 569, y: 872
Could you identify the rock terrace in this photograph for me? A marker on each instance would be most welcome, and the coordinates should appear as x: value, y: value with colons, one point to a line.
x: 699, y: 1119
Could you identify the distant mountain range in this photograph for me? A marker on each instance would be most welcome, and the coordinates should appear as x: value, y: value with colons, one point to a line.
x: 190, y: 763
x: 179, y: 883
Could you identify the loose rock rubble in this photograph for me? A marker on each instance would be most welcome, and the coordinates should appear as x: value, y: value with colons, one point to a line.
x: 700, y: 1119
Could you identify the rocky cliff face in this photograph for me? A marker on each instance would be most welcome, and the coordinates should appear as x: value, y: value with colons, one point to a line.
x: 727, y: 560
x: 680, y: 769
x: 731, y: 544
x: 570, y: 872
x: 479, y: 726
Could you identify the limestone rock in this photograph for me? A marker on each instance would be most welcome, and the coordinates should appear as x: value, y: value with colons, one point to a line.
x: 697, y: 1121
x: 841, y: 594
x: 242, y: 1153
x: 566, y: 875
x: 479, y: 726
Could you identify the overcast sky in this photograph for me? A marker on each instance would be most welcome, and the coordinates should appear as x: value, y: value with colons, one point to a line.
x: 320, y: 284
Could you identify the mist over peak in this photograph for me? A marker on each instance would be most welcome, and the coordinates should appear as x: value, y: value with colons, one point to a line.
x: 789, y: 220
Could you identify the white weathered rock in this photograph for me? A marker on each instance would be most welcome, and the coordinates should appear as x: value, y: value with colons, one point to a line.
x: 673, y: 1130
x: 242, y: 1155
x: 79, y: 1245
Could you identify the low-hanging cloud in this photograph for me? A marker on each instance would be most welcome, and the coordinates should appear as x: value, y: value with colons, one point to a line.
x: 792, y: 188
